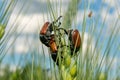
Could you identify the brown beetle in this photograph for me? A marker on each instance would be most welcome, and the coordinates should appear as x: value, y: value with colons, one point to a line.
x: 90, y: 14
x: 75, y: 40
x: 48, y: 39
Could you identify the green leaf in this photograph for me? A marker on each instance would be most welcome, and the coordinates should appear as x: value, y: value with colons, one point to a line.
x: 2, y: 31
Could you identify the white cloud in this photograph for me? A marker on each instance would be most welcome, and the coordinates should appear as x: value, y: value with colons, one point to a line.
x: 110, y: 2
x: 113, y: 4
x: 86, y: 44
x: 80, y: 16
x: 21, y: 48
x: 110, y: 20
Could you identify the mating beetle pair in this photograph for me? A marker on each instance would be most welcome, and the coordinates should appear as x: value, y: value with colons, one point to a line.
x: 48, y: 39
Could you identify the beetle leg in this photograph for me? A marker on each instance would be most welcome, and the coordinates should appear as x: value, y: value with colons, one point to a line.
x: 63, y: 30
x: 54, y: 56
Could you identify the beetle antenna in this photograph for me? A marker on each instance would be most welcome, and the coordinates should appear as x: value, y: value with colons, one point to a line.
x: 58, y: 18
x: 56, y: 21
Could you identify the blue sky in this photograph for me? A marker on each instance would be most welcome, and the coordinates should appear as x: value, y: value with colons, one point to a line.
x: 24, y: 43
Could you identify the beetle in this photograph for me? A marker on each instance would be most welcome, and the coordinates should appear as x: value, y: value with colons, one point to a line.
x: 90, y: 14
x: 75, y: 40
x: 46, y: 36
x: 48, y: 39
